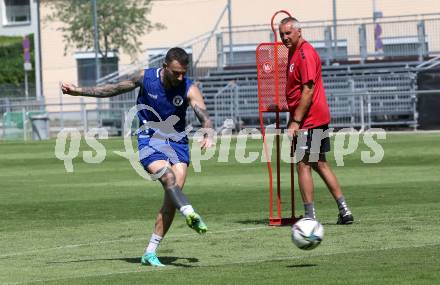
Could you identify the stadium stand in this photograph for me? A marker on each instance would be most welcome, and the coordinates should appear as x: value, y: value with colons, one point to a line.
x: 383, y: 89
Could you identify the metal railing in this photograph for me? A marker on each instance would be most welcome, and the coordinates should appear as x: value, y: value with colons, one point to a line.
x: 401, y: 36
x: 357, y: 98
x: 235, y: 103
x: 16, y: 91
x: 411, y: 37
x: 361, y: 40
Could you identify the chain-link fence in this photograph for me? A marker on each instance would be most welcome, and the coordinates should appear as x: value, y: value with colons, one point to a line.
x: 359, y: 95
x: 236, y: 105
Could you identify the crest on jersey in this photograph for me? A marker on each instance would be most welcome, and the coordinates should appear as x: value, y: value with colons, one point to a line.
x: 178, y: 101
x: 291, y: 67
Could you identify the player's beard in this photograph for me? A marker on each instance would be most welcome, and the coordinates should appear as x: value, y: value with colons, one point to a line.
x: 169, y: 82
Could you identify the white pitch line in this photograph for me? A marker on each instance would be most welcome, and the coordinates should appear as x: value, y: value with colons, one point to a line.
x: 242, y: 261
x: 29, y: 252
x: 145, y: 269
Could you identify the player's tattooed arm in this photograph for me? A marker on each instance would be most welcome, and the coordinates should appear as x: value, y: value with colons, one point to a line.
x: 107, y: 90
x: 196, y: 101
x: 203, y: 116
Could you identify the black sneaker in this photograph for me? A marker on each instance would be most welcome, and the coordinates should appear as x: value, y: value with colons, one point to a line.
x: 346, y: 219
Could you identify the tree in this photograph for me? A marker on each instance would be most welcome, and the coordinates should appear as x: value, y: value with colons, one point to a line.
x: 11, y: 57
x: 120, y: 24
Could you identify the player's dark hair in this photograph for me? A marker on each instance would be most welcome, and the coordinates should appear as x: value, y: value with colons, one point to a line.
x: 179, y: 54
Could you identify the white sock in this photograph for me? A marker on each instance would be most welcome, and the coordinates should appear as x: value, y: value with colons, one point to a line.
x: 154, y: 243
x: 186, y: 210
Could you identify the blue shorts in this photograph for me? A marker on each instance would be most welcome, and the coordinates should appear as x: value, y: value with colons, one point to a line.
x: 152, y: 149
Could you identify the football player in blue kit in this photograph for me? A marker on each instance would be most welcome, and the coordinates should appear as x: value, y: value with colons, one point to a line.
x: 163, y: 146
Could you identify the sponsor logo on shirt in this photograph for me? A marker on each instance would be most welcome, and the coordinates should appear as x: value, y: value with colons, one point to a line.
x: 177, y: 100
x: 152, y: 95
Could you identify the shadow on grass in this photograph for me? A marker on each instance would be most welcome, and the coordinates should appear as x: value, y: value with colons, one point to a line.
x: 254, y: 222
x: 300, y: 265
x: 331, y: 224
x: 167, y: 260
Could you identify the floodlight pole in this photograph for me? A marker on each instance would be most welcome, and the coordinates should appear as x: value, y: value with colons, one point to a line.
x: 96, y: 47
x: 374, y: 11
x: 231, y: 54
x: 96, y: 40
x: 335, y: 36
x: 26, y: 85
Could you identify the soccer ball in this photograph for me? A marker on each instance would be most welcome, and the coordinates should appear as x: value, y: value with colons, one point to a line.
x: 307, y: 233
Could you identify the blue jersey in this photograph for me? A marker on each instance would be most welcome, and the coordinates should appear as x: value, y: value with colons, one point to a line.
x: 164, y: 102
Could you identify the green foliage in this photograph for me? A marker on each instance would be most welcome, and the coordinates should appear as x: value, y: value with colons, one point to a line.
x: 120, y: 23
x: 6, y: 41
x: 11, y: 57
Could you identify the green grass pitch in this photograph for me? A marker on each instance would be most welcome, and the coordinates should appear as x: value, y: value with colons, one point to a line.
x: 90, y: 226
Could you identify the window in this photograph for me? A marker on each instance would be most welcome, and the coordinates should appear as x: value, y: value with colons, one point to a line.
x: 87, y: 70
x: 16, y: 12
